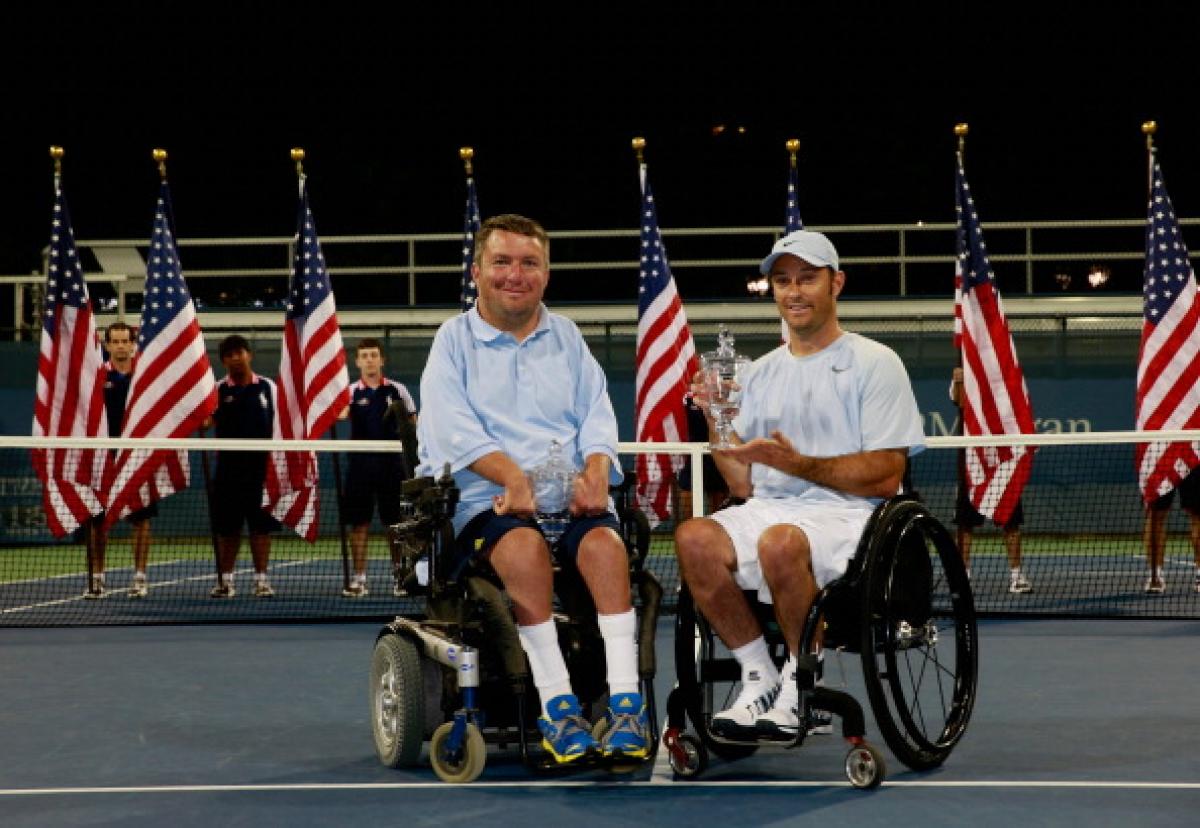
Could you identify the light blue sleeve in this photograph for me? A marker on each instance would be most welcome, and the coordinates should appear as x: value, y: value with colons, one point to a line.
x: 890, y: 416
x: 451, y: 429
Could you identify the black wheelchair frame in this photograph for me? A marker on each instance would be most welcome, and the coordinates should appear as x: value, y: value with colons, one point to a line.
x: 465, y: 652
x: 904, y: 592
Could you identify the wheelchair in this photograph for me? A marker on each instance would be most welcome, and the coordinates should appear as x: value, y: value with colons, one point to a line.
x: 456, y: 676
x: 904, y: 606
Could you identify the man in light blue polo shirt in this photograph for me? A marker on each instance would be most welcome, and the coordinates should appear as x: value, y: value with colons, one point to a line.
x: 826, y: 424
x: 503, y: 381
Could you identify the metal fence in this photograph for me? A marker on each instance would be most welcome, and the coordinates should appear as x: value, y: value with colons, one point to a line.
x: 714, y: 264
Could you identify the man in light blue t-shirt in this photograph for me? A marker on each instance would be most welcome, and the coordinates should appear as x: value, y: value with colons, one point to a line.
x: 826, y: 424
x: 504, y: 381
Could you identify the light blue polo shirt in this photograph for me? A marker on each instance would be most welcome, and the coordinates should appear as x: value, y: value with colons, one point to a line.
x: 482, y: 392
x: 850, y: 397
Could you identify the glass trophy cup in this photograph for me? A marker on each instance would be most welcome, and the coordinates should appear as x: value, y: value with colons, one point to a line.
x: 553, y: 484
x: 722, y: 373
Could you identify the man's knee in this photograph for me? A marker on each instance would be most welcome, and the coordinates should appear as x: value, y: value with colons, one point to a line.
x: 699, y: 540
x: 783, y: 549
x: 520, y: 550
x: 604, y: 548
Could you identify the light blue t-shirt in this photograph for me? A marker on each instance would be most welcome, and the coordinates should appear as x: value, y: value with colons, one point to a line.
x: 850, y: 397
x: 482, y: 392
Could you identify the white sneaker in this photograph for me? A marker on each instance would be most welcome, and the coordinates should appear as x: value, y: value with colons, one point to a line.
x: 756, y: 698
x: 140, y: 588
x: 1019, y: 584
x: 1155, y: 585
x: 782, y: 721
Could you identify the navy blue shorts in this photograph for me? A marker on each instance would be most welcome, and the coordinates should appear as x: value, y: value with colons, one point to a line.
x: 235, y: 505
x: 363, y: 492
x: 483, y: 531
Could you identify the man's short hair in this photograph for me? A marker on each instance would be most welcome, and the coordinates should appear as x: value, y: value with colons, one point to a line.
x: 511, y: 223
x: 231, y: 343
x: 368, y: 342
x: 117, y: 326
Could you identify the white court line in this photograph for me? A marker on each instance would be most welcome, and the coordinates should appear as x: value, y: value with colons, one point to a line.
x: 681, y: 786
x: 152, y: 585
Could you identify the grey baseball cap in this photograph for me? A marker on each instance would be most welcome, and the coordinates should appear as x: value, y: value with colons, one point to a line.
x: 813, y: 247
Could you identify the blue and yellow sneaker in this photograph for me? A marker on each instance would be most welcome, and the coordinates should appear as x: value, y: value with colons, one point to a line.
x: 625, y: 736
x: 565, y: 733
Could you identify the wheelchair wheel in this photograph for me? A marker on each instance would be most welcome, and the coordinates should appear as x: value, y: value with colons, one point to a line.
x: 707, y: 674
x: 692, y: 759
x: 397, y: 701
x: 865, y: 767
x: 920, y: 644
x: 463, y: 766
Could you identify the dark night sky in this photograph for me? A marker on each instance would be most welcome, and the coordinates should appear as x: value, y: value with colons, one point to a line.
x: 381, y: 102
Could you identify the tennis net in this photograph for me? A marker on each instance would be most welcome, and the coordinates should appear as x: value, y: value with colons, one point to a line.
x: 1082, y: 541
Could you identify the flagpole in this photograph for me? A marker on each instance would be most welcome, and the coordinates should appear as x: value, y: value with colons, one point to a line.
x: 93, y: 523
x: 961, y: 130
x: 297, y: 155
x: 159, y: 156
x: 1148, y: 129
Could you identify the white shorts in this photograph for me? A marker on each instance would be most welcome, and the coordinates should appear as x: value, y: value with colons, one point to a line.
x: 833, y: 535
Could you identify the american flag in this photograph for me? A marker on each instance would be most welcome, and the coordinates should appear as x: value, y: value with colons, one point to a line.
x: 172, y: 389
x: 791, y: 223
x: 70, y: 385
x: 313, y: 383
x: 469, y: 291
x: 1168, y: 396
x: 666, y: 362
x: 995, y: 399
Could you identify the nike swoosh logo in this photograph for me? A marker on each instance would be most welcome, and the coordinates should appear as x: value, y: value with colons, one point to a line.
x: 838, y: 370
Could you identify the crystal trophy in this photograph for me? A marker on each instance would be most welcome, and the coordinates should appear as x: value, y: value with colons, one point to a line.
x: 553, y: 484
x: 722, y: 373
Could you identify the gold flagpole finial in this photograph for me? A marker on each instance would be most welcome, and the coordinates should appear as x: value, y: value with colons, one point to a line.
x: 793, y: 147
x: 160, y: 158
x: 639, y: 145
x: 961, y: 131
x: 466, y: 154
x: 57, y: 153
x: 298, y: 157
x: 1148, y: 129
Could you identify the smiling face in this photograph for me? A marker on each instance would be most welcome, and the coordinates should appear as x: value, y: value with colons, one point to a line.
x: 511, y: 274
x: 806, y: 296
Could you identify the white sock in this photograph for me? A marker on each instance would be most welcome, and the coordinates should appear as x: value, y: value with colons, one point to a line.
x: 550, y: 677
x: 1015, y: 572
x: 789, y: 691
x: 755, y: 658
x: 620, y: 650
x: 227, y: 578
x: 139, y: 575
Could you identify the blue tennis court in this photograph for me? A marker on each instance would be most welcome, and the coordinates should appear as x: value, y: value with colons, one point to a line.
x: 1085, y: 722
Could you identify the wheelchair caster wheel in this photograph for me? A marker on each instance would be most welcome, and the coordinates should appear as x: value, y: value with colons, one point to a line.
x: 865, y: 767
x: 469, y: 761
x: 687, y: 756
